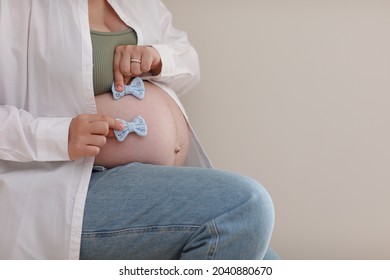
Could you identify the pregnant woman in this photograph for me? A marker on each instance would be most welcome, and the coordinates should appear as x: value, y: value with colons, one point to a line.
x: 115, y: 52
x: 68, y: 188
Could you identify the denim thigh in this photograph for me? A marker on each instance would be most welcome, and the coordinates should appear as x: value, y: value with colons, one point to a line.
x: 141, y: 211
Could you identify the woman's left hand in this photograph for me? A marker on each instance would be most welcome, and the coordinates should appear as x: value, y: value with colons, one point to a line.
x: 132, y: 61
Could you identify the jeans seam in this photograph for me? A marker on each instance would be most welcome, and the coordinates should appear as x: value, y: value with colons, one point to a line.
x: 214, y: 245
x: 148, y: 229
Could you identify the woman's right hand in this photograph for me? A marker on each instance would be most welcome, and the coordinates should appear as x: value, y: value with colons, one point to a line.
x: 88, y: 133
x: 132, y: 61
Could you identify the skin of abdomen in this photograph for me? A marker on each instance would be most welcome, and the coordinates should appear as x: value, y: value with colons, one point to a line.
x: 167, y: 139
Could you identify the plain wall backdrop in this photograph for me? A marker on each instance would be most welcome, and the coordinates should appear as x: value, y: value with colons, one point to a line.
x: 296, y: 94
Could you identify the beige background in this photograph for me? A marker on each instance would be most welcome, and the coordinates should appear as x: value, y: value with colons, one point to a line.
x: 295, y: 93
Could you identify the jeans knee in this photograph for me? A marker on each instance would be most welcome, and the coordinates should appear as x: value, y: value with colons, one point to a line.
x: 245, y: 230
x: 260, y: 208
x: 252, y: 200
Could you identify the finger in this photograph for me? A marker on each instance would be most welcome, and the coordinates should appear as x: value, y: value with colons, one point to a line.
x: 91, y: 151
x: 84, y: 151
x: 94, y: 117
x: 124, y: 63
x: 118, y: 76
x: 99, y: 128
x: 146, y: 63
x: 156, y: 64
x: 112, y: 122
x: 96, y: 140
x: 135, y: 66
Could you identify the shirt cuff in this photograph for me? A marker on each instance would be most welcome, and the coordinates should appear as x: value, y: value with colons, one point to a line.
x: 52, y: 139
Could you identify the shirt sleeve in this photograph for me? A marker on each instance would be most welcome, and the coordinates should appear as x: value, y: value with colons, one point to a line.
x: 24, y: 138
x: 180, y: 64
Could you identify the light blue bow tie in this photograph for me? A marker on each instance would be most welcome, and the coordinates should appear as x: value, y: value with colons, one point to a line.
x: 138, y: 126
x: 136, y: 88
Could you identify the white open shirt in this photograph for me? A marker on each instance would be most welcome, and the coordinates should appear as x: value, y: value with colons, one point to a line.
x: 45, y: 81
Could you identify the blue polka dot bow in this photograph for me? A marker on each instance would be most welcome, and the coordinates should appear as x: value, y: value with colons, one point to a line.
x: 137, y: 126
x: 136, y: 88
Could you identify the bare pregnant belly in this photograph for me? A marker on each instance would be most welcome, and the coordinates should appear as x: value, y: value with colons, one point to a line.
x: 167, y: 139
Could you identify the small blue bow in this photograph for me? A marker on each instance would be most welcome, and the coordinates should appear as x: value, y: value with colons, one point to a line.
x: 138, y: 126
x: 136, y: 88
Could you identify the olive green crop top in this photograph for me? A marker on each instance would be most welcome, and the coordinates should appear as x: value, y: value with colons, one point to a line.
x: 103, y: 47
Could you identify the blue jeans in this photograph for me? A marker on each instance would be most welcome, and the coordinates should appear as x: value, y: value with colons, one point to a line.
x: 141, y: 211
